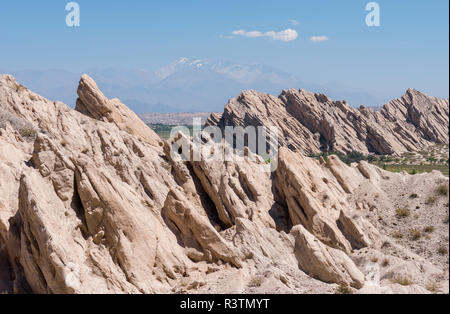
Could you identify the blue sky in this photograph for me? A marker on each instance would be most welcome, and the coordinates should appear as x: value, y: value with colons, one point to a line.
x: 409, y: 49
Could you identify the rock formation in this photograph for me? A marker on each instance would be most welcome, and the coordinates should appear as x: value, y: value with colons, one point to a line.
x: 313, y: 123
x: 91, y: 201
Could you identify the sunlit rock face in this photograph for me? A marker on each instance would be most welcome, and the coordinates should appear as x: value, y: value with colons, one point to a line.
x: 313, y: 123
x: 91, y: 201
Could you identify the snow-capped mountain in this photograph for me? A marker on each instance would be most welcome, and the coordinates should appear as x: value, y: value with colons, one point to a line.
x: 186, y: 85
x: 244, y: 74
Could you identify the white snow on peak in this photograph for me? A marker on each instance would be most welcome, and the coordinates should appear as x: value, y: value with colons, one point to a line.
x: 183, y: 60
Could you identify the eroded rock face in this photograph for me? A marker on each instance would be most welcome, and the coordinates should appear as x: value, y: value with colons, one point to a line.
x: 310, y: 201
x: 327, y: 264
x: 311, y: 123
x: 93, y: 103
x: 92, y: 203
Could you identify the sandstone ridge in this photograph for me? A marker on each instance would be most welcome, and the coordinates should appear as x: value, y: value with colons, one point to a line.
x: 91, y: 201
x: 313, y: 123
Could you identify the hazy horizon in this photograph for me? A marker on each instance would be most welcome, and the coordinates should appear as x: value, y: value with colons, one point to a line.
x: 323, y: 45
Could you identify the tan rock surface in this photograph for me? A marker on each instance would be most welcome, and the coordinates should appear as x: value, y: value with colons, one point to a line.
x: 311, y: 123
x: 327, y: 264
x: 93, y: 103
x: 90, y: 206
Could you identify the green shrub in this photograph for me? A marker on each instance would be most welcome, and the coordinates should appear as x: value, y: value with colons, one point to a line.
x: 431, y: 200
x: 415, y: 234
x: 402, y: 212
x: 442, y: 250
x: 22, y: 126
x: 348, y: 158
x: 401, y: 280
x: 397, y: 235
x: 27, y: 132
x: 442, y: 190
x: 432, y: 287
x: 256, y: 281
x: 344, y: 289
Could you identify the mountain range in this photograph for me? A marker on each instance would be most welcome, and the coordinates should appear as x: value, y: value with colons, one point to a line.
x: 186, y: 85
x: 309, y: 122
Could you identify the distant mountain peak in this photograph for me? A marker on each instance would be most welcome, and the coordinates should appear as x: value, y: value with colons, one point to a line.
x: 182, y: 60
x: 185, y: 85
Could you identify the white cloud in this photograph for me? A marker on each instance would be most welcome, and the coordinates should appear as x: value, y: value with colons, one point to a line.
x: 318, y: 39
x: 252, y: 34
x: 227, y: 37
x: 286, y: 35
x: 294, y: 22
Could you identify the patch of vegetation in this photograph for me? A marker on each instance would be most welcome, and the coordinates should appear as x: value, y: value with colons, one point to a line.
x: 256, y: 281
x: 385, y: 263
x: 402, y: 212
x: 442, y: 250
x: 411, y: 162
x: 414, y: 169
x: 414, y: 195
x: 429, y: 229
x: 164, y: 131
x: 344, y: 289
x: 442, y: 190
x: 415, y: 234
x: 432, y: 287
x: 397, y: 235
x: 22, y: 126
x: 431, y: 200
x: 348, y: 158
x: 402, y: 280
x: 27, y: 132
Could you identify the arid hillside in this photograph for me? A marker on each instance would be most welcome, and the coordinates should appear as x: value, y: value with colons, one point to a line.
x: 313, y: 123
x: 91, y: 201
